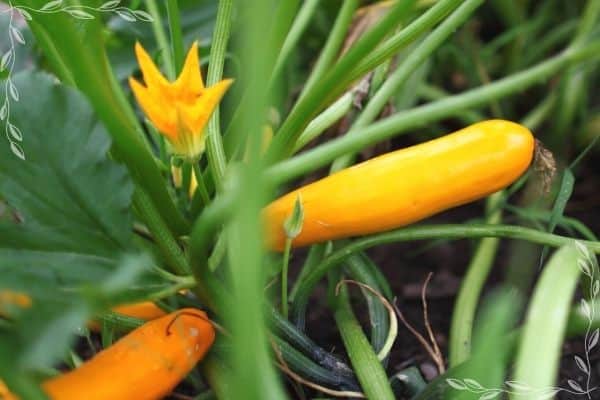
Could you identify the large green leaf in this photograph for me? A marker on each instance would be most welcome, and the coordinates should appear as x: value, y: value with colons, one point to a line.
x: 73, y: 231
x: 73, y: 201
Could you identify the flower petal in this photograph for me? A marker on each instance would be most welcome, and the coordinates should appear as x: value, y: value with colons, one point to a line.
x: 152, y: 75
x: 198, y: 114
x: 189, y: 83
x: 161, y: 118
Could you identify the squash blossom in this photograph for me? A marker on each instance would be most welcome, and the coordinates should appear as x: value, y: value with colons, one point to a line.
x: 181, y: 109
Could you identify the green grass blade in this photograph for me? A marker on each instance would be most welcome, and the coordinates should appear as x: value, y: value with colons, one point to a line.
x: 564, y: 194
x: 448, y: 232
x: 467, y: 300
x: 368, y: 369
x: 548, y: 312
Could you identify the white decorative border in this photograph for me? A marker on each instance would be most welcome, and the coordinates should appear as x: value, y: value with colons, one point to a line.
x: 7, y: 60
x: 586, y: 264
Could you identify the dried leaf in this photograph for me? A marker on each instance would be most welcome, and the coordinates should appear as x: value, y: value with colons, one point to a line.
x: 365, y: 18
x: 545, y: 165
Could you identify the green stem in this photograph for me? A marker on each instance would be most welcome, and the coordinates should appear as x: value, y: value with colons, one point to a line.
x: 334, y: 42
x: 176, y: 35
x: 308, y: 369
x: 237, y: 134
x: 161, y: 38
x: 362, y: 269
x: 324, y: 120
x: 284, y: 277
x: 163, y: 237
x: 22, y: 385
x: 319, y: 95
x: 406, y: 36
x: 298, y: 27
x: 368, y: 368
x: 212, y: 218
x: 467, y: 300
x: 214, y: 145
x: 539, y: 114
x: 315, y: 255
x: 433, y: 93
x: 413, y: 61
x: 554, y: 291
x: 288, y: 332
x: 217, y: 374
x: 201, y: 184
x: 559, y: 34
x: 447, y: 232
x: 120, y: 322
x: 587, y: 22
x: 423, y: 115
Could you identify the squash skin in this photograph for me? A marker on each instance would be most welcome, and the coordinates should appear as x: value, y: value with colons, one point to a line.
x: 145, y: 364
x: 145, y: 310
x: 407, y: 185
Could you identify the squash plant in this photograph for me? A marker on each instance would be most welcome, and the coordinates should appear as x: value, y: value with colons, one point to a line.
x: 148, y: 154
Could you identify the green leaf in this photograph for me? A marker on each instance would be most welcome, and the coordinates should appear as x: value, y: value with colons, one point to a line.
x: 293, y: 224
x: 562, y: 198
x: 73, y: 201
x: 67, y: 250
x: 548, y: 311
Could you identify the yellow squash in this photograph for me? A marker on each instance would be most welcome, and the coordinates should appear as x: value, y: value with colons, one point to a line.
x: 145, y: 364
x: 407, y: 185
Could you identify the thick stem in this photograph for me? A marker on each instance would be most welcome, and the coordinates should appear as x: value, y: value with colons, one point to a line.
x: 214, y: 143
x: 164, y: 239
x: 176, y: 35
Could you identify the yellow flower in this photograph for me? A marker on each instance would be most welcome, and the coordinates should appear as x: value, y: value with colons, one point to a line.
x: 180, y: 110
